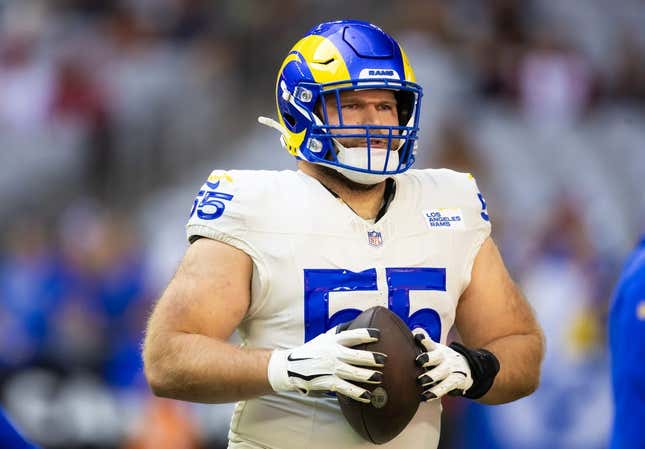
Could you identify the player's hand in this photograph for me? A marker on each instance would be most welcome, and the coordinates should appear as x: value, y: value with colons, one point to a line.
x: 446, y: 370
x: 327, y: 363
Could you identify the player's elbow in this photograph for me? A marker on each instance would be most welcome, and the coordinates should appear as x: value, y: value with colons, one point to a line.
x: 532, y: 382
x: 538, y: 357
x: 156, y: 369
x: 510, y: 391
x: 520, y: 377
x: 531, y: 376
x: 156, y: 380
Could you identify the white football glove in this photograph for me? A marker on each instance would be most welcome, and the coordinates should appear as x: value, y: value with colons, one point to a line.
x: 327, y: 363
x: 446, y: 369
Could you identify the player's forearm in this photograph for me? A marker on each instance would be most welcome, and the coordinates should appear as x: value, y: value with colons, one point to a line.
x: 520, y: 357
x: 197, y: 368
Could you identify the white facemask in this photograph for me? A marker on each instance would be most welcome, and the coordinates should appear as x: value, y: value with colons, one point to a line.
x: 357, y: 157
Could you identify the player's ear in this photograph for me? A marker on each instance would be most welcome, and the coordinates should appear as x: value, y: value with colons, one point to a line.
x: 318, y: 110
x: 404, y: 106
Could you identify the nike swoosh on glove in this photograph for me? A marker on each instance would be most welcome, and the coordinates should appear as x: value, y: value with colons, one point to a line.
x: 455, y: 369
x: 327, y: 363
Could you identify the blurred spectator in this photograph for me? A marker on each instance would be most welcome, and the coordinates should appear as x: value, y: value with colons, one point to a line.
x: 560, y: 281
x: 74, y: 307
x: 78, y: 100
x: 630, y: 74
x: 26, y: 74
x: 107, y: 295
x: 554, y: 83
x: 173, y: 425
x: 456, y: 150
x: 32, y: 289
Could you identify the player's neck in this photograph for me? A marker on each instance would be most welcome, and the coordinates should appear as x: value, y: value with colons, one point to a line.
x: 364, y: 200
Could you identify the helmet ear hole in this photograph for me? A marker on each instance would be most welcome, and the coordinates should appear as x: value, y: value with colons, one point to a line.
x: 404, y: 105
x: 320, y: 109
x: 291, y: 121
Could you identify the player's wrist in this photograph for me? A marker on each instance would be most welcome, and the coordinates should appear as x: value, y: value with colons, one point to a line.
x: 484, y: 367
x: 277, y: 371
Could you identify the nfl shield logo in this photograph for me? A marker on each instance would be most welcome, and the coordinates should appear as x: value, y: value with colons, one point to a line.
x: 374, y: 238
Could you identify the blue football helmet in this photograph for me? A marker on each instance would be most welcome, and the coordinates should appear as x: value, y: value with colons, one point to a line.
x: 334, y: 57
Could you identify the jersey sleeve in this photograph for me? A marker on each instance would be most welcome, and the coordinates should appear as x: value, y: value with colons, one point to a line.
x: 476, y: 217
x: 228, y: 208
x: 220, y: 211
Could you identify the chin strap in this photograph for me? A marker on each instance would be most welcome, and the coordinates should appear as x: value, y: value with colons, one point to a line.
x: 268, y: 121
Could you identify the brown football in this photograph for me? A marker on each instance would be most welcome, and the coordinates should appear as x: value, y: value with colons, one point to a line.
x: 396, y: 399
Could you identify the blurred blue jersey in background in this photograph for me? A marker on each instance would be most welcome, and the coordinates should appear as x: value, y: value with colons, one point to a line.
x: 9, y: 436
x: 627, y: 348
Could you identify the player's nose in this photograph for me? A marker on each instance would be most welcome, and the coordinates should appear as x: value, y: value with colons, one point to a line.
x: 371, y: 116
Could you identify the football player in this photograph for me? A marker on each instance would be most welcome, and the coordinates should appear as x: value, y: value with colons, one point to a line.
x: 627, y: 346
x: 287, y: 257
x: 10, y: 437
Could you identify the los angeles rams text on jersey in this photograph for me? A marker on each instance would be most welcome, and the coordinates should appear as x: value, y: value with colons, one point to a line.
x: 317, y: 264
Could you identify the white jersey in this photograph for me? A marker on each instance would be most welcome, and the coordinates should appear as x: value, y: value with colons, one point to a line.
x: 317, y: 264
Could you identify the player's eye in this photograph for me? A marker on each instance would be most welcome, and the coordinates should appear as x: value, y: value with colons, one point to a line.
x: 349, y: 106
x: 386, y: 107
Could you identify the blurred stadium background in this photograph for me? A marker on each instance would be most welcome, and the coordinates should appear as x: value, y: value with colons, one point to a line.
x: 112, y: 113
